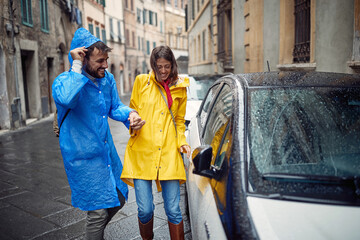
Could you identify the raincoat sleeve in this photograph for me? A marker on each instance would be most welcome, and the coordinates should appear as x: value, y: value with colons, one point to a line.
x: 67, y: 87
x: 118, y: 111
x: 180, y: 121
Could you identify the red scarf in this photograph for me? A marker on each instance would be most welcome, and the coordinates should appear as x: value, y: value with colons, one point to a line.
x: 165, y: 84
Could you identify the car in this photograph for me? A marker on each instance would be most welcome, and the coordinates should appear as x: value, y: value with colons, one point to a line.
x: 276, y: 155
x: 199, y: 84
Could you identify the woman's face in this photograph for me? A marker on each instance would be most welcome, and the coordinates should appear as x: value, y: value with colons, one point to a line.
x: 164, y: 68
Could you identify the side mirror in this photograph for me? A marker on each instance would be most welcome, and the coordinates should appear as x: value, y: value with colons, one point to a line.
x: 202, y: 160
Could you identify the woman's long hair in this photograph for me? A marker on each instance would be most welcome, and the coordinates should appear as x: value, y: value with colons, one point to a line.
x: 166, y: 53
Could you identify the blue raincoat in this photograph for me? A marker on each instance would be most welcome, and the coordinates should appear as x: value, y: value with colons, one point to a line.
x: 91, y: 162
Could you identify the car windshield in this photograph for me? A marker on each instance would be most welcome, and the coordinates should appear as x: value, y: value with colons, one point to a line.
x: 199, y: 87
x: 305, y: 131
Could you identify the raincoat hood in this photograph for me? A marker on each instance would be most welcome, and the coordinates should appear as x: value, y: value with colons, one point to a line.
x: 82, y: 38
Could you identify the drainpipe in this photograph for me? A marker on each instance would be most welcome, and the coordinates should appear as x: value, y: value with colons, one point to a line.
x: 211, y: 35
x: 16, y: 100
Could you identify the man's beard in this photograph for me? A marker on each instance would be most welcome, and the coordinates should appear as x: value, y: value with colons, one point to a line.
x: 93, y: 72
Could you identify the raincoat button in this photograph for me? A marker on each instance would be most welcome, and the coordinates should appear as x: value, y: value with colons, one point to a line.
x: 159, y: 148
x: 108, y: 165
x: 103, y: 116
x: 105, y: 141
x: 162, y: 113
x: 160, y: 130
x: 99, y: 91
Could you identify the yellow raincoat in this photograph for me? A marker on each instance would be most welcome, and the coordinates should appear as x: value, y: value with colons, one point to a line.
x: 152, y: 152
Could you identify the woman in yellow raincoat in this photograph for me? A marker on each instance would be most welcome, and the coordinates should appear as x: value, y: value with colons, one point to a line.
x: 153, y: 153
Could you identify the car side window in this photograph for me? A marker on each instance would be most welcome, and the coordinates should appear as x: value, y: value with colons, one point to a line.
x: 206, y: 105
x: 218, y: 119
x: 224, y: 148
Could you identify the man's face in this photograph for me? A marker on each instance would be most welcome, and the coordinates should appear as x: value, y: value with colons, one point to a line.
x: 97, y: 63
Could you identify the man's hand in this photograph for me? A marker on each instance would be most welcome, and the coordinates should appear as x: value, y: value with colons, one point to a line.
x: 186, y: 149
x: 78, y: 53
x: 136, y: 122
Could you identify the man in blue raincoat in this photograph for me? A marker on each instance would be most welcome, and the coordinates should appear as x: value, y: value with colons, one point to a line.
x: 85, y: 97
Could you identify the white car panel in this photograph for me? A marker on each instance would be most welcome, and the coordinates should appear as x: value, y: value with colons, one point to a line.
x: 204, y: 217
x: 279, y: 219
x: 192, y: 108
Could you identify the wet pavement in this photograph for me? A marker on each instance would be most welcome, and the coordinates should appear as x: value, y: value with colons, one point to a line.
x: 35, y: 198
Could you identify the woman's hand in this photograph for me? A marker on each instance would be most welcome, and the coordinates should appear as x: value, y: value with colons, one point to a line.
x: 136, y: 122
x: 186, y: 149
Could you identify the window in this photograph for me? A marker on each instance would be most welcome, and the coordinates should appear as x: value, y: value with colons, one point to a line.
x: 91, y: 28
x: 127, y: 37
x: 209, y: 42
x: 302, y: 31
x: 132, y: 5
x: 144, y: 16
x: 205, y: 108
x: 97, y: 32
x: 225, y: 33
x: 301, y: 142
x: 151, y: 17
x: 139, y: 43
x: 148, y: 47
x: 119, y: 31
x: 111, y: 29
x: 103, y: 33
x: 138, y: 15
x: 26, y: 13
x: 133, y: 39
x: 219, y: 116
x: 224, y: 149
x: 154, y: 44
x: 193, y: 9
x: 126, y: 4
x: 169, y: 2
x: 44, y: 16
x: 161, y: 27
x: 155, y: 15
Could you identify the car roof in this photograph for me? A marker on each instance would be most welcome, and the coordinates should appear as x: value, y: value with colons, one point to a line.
x: 297, y: 79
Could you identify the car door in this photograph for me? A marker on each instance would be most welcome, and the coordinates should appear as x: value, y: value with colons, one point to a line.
x: 211, y: 127
x: 218, y: 134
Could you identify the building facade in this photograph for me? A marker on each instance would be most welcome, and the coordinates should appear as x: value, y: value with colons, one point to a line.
x: 256, y: 35
x: 202, y: 31
x: 115, y: 38
x: 175, y: 32
x: 34, y: 42
x: 144, y: 29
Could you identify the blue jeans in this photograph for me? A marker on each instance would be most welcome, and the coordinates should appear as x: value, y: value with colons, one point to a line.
x: 171, y: 196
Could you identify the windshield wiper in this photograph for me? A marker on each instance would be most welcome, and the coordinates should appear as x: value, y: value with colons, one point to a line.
x: 315, y: 179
